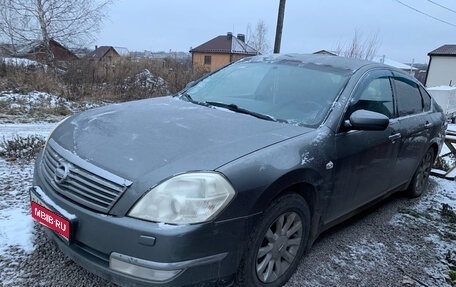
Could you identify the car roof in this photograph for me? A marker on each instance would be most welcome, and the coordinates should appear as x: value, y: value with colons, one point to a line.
x: 352, y: 64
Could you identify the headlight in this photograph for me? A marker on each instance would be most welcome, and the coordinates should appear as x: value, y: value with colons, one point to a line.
x: 185, y: 199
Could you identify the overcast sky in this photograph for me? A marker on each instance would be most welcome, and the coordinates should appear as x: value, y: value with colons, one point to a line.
x: 403, y: 33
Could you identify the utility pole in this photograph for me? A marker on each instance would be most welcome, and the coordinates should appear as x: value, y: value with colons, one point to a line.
x: 278, y: 37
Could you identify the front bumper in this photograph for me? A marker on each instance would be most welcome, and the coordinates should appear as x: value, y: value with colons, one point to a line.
x: 133, y: 252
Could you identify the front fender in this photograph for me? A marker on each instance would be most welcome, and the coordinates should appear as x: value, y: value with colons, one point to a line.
x: 260, y: 177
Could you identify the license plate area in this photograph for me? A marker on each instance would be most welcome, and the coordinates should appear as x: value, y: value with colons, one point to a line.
x: 52, y: 220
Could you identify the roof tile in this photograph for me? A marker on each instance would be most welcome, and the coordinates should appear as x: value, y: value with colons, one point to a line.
x: 445, y: 50
x: 99, y: 52
x: 227, y: 45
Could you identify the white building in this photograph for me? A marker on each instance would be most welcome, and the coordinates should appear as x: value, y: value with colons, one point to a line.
x: 442, y: 67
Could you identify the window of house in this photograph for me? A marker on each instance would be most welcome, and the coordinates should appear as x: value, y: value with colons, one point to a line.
x: 207, y: 60
x: 409, y: 100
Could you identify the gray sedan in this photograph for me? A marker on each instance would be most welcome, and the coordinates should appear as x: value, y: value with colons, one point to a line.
x: 232, y: 179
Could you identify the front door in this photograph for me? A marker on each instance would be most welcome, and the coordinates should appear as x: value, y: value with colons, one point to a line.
x: 366, y: 160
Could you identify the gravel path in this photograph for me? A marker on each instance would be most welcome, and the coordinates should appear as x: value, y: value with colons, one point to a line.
x: 400, y: 242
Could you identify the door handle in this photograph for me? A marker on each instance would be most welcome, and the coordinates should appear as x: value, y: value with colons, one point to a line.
x: 394, y: 137
x: 427, y: 125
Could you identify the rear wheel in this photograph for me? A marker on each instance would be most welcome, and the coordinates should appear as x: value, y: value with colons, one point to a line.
x: 276, y: 244
x: 421, y: 177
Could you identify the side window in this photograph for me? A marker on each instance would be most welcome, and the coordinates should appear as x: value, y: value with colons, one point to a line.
x: 374, y: 94
x: 408, y: 96
x: 426, y: 98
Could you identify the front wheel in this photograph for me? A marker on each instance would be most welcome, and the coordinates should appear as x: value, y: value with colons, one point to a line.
x: 276, y: 243
x: 420, y: 178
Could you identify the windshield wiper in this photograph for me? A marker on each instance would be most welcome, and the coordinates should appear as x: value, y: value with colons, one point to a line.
x: 186, y: 96
x: 237, y: 109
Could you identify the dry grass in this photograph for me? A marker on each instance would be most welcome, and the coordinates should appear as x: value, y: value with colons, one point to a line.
x: 86, y: 80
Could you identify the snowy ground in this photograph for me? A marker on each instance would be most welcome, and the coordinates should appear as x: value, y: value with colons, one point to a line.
x: 400, y: 242
x: 17, y: 238
x: 33, y: 105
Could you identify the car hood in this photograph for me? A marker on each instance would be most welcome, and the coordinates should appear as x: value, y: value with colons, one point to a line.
x: 167, y: 134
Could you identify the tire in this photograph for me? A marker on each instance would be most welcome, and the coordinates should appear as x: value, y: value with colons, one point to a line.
x: 420, y: 179
x: 276, y: 244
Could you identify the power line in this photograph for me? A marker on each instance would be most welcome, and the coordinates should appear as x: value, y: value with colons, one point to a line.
x: 440, y: 5
x: 421, y: 12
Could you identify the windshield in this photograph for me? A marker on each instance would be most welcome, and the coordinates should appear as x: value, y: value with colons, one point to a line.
x: 288, y: 92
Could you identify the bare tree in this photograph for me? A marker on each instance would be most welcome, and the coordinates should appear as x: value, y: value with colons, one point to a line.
x: 69, y: 22
x: 258, y: 38
x: 360, y: 48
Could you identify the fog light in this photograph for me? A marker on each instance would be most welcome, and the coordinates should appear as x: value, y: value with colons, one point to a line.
x: 140, y: 268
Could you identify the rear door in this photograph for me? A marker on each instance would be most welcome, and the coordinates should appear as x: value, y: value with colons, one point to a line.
x: 415, y: 125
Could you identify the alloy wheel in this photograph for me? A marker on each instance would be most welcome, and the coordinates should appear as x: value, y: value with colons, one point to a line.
x: 279, y: 248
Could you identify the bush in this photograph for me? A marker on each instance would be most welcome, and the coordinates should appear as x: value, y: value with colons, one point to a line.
x: 25, y: 148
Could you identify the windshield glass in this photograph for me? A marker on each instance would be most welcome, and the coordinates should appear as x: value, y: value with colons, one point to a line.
x: 292, y: 92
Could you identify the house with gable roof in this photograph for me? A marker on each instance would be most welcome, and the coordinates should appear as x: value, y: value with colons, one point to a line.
x: 104, y: 54
x: 221, y: 51
x: 36, y: 50
x: 442, y: 67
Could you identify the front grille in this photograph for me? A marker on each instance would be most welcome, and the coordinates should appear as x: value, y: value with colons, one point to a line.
x: 81, y: 181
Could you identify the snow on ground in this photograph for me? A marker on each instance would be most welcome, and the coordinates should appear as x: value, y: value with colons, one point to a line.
x: 20, y: 62
x: 34, y: 106
x: 428, y: 211
x: 27, y: 101
x: 9, y: 131
x: 16, y: 225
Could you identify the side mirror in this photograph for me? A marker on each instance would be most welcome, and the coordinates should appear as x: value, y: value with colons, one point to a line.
x: 367, y: 121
